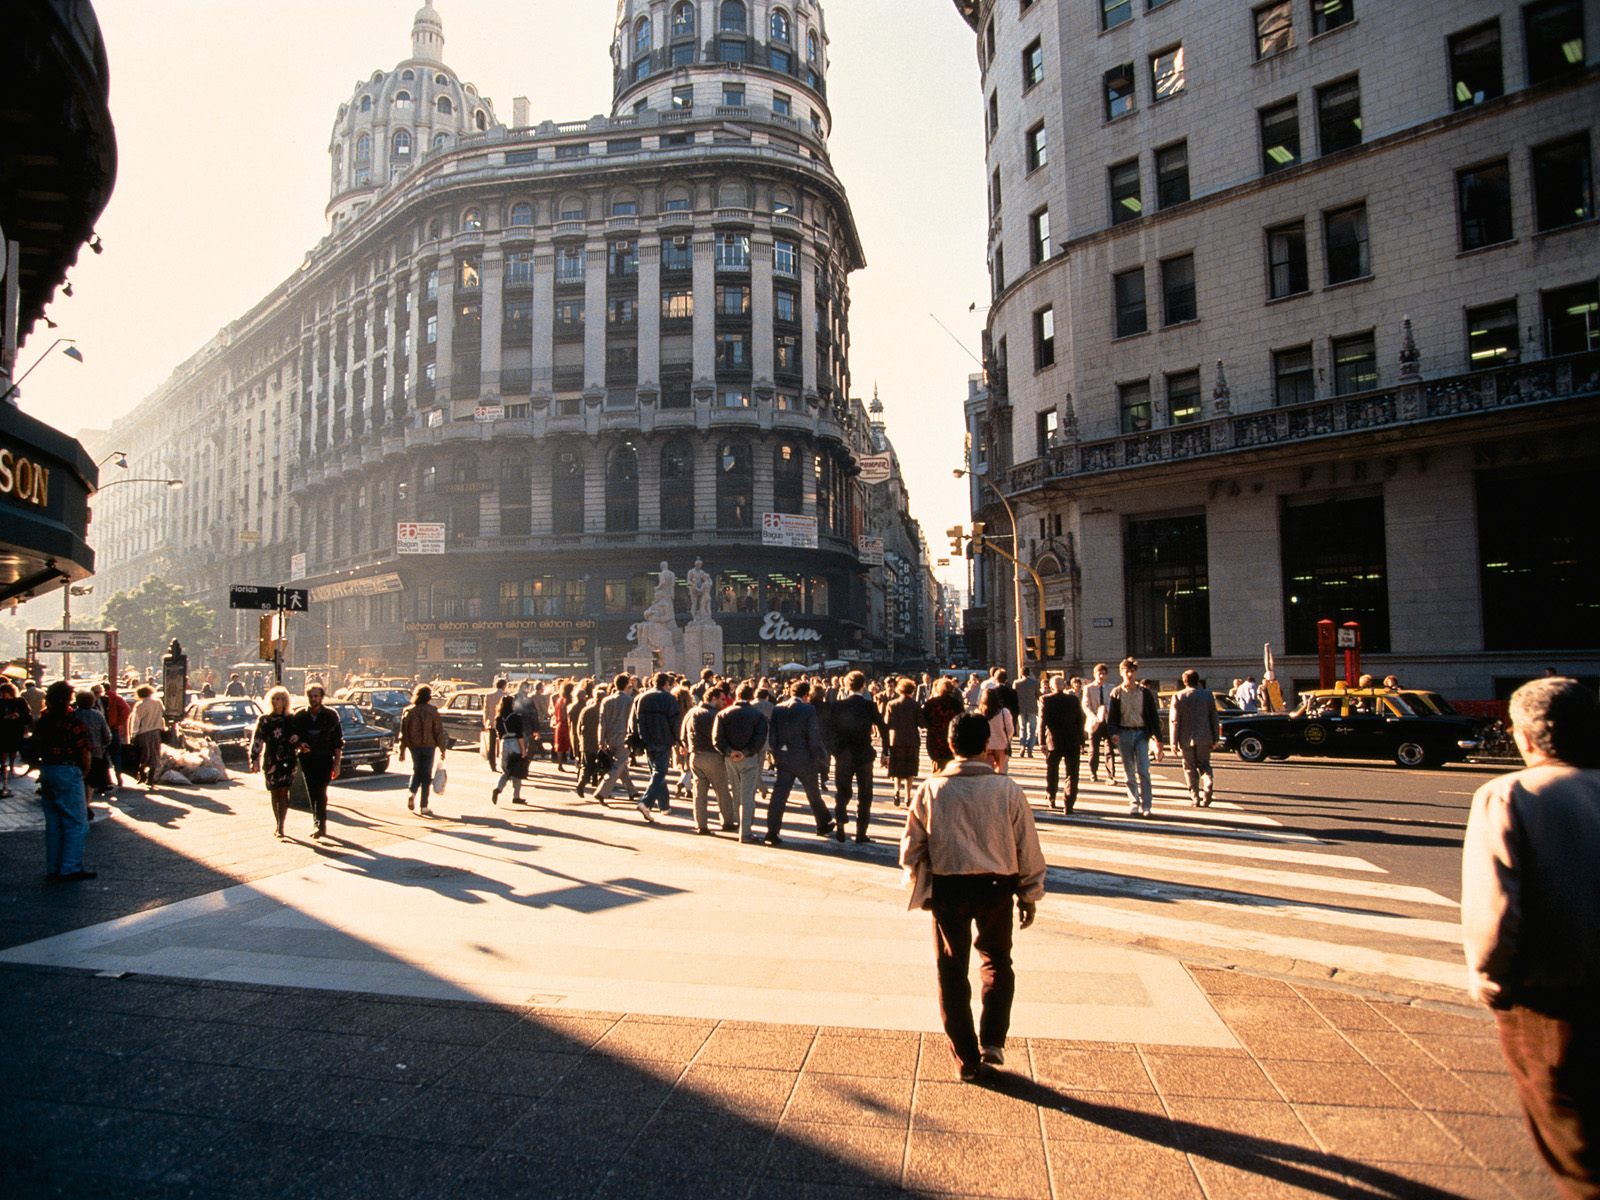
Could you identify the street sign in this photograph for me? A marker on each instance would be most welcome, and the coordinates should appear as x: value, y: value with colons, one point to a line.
x: 875, y: 468
x: 297, y: 566
x: 247, y: 595
x: 72, y: 641
x: 1346, y: 638
x: 419, y: 537
x: 293, y: 599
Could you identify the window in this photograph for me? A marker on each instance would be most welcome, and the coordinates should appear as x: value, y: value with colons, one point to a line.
x: 733, y: 300
x: 994, y: 192
x: 1037, y: 147
x: 683, y: 98
x: 677, y: 304
x: 569, y: 264
x: 622, y: 489
x: 441, y: 140
x: 1552, y: 33
x: 677, y: 485
x: 733, y: 95
x: 988, y: 42
x: 683, y: 19
x: 1172, y: 174
x: 1177, y: 290
x: 1133, y: 402
x: 1169, y: 597
x: 785, y: 258
x: 1339, y: 115
x: 1475, y: 73
x: 735, y: 486
x: 1545, y: 566
x: 516, y: 499
x: 733, y: 252
x: 1128, y: 289
x: 521, y: 214
x: 733, y: 17
x: 1115, y: 12
x: 1483, y: 203
x: 1355, y: 364
x: 566, y: 492
x: 1286, y: 261
x: 1570, y: 319
x: 1274, y: 29
x: 731, y: 49
x: 402, y: 143
x: 622, y: 258
x: 1563, y: 183
x: 997, y: 270
x: 1032, y: 64
x: 402, y: 99
x: 444, y: 106
x: 677, y: 254
x: 778, y: 26
x: 1044, y: 338
x: 1292, y: 379
x: 786, y: 355
x: 785, y: 306
x: 993, y: 126
x: 1328, y: 15
x: 1493, y: 338
x: 788, y: 479
x: 1119, y: 94
x: 1045, y: 425
x: 1344, y: 234
x: 1124, y: 182
x: 1039, y: 237
x: 1166, y: 74
x: 733, y: 352
x: 1183, y: 398
x: 1335, y: 567
x: 364, y: 148
x: 430, y: 330
x: 624, y: 208
x: 1280, y: 136
x: 569, y: 316
x: 781, y: 104
x: 622, y: 310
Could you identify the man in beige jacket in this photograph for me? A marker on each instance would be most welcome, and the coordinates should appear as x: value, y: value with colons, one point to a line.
x: 970, y: 845
x: 1530, y: 912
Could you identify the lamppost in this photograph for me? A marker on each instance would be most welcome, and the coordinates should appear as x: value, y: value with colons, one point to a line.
x: 71, y: 352
x: 1015, y: 556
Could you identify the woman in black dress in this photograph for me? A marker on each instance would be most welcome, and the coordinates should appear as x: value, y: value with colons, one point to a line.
x: 14, y: 721
x: 273, y: 753
x: 902, y: 716
x: 509, y: 731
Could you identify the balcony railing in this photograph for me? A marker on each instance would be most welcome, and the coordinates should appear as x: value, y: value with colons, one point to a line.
x: 1545, y: 381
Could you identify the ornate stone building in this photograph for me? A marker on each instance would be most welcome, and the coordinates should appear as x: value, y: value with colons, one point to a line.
x: 1295, y: 317
x: 580, y: 348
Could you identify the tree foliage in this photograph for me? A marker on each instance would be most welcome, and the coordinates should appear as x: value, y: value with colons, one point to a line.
x: 152, y: 614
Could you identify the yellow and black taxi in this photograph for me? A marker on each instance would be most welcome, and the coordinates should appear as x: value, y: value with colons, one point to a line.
x: 1353, y: 723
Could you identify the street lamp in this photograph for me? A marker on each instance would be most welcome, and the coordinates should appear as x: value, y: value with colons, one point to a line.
x: 120, y: 455
x: 71, y: 352
x: 1016, y: 559
x: 172, y: 484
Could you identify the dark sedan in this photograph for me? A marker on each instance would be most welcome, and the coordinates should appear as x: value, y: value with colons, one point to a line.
x: 226, y: 723
x: 1357, y: 725
x: 380, y: 705
x: 365, y: 744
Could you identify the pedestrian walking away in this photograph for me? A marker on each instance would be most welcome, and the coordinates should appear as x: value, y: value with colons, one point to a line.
x: 1028, y: 692
x: 1135, y: 721
x: 1530, y: 906
x: 61, y: 748
x: 274, y: 751
x: 706, y: 764
x: 902, y: 719
x: 1061, y: 719
x: 854, y: 719
x: 943, y: 706
x: 1002, y: 726
x: 146, y: 724
x: 421, y: 736
x: 653, y: 726
x: 321, y: 750
x: 15, y: 720
x: 491, y: 711
x: 970, y: 846
x: 1195, y: 728
x: 740, y: 733
x: 615, y: 711
x: 510, y: 742
x: 797, y: 749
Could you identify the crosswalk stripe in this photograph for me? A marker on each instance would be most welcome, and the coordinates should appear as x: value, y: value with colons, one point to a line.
x: 1297, y: 880
x: 1162, y: 822
x: 1055, y: 835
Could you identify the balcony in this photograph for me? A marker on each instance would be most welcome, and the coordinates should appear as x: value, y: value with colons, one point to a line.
x: 1400, y: 410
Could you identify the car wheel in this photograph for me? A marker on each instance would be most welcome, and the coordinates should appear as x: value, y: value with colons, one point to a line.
x: 1251, y: 748
x: 1412, y: 754
x: 379, y: 767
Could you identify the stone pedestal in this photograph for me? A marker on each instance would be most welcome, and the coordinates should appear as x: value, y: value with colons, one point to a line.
x: 641, y: 663
x: 702, y: 647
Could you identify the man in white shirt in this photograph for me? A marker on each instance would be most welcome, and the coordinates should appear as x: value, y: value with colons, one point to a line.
x: 1096, y: 696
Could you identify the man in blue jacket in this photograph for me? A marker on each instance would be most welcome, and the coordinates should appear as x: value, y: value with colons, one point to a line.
x: 653, y: 728
x: 854, y: 719
x: 797, y: 749
x: 740, y: 734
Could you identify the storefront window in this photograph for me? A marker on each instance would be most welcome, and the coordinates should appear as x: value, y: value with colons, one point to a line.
x: 784, y: 594
x: 1335, y: 566
x: 737, y: 593
x: 819, y: 596
x: 616, y: 596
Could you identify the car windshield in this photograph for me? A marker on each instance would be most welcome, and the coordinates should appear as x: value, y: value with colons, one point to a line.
x: 390, y: 697
x: 1430, y: 700
x: 349, y: 714
x: 1406, y: 709
x: 239, y: 710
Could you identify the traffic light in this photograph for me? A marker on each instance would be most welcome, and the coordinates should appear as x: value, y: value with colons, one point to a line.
x: 1032, y: 646
x: 272, y: 635
x: 955, y: 533
x: 1050, y: 650
x: 977, y: 536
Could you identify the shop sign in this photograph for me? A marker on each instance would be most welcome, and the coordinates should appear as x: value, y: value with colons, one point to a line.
x: 507, y: 625
x: 23, y: 479
x: 875, y: 468
x: 373, y: 585
x: 73, y: 641
x: 541, y: 647
x: 460, y: 648
x: 297, y: 566
x: 789, y: 530
x: 419, y: 537
x: 466, y: 487
x: 871, y: 551
x: 435, y: 418
x: 486, y: 413
x: 776, y: 629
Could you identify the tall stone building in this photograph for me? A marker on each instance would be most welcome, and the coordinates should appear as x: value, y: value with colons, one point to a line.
x: 1295, y: 317
x: 580, y: 348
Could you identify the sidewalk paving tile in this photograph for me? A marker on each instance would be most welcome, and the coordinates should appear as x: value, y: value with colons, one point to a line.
x: 1095, y: 1169
x: 1203, y: 1075
x: 837, y: 1154
x: 975, y: 1164
x: 852, y: 1100
x: 777, y: 1049
x: 664, y: 1042
x: 1309, y: 1045
x: 1126, y: 1117
x: 1500, y: 1143
x: 1089, y: 1070
x: 1219, y: 1124
x: 712, y: 1086
x: 961, y: 1108
x: 1333, y: 1083
x: 1246, y: 1178
x: 844, y: 1054
x: 1390, y: 1135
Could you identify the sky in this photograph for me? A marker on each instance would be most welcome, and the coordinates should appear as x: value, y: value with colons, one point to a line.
x: 223, y: 111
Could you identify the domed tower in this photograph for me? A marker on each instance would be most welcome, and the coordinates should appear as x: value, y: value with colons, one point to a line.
x: 723, y: 54
x: 397, y: 118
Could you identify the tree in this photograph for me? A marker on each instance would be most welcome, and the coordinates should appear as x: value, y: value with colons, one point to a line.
x: 149, y: 617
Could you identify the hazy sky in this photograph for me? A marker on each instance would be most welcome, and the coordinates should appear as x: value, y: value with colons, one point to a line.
x: 223, y: 111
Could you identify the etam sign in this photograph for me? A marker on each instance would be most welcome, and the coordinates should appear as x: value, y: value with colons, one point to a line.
x: 776, y: 629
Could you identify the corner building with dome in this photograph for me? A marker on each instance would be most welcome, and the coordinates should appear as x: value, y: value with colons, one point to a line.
x: 582, y: 348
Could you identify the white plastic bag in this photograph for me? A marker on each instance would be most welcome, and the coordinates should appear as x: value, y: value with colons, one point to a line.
x: 440, y: 778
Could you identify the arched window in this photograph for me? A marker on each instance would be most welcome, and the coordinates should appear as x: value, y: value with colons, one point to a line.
x: 338, y: 164
x: 735, y: 486
x: 641, y: 37
x: 408, y: 75
x: 441, y: 140
x: 402, y: 143
x: 677, y: 485
x: 481, y: 121
x: 366, y: 104
x: 364, y: 148
x: 402, y: 99
x: 566, y: 492
x: 441, y: 79
x: 788, y: 478
x: 733, y: 20
x: 622, y: 489
x: 444, y: 106
x: 521, y: 214
x: 435, y: 229
x: 811, y: 48
x: 683, y: 19
x: 472, y: 220
x: 779, y: 26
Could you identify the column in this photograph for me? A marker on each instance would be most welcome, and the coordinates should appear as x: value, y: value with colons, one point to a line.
x: 352, y: 401
x: 761, y: 352
x: 705, y: 479
x: 414, y: 340
x: 808, y: 321
x: 492, y: 282
x: 649, y: 313
x: 649, y: 484
x: 544, y: 317
x: 444, y: 352
x: 705, y: 304
x: 594, y: 314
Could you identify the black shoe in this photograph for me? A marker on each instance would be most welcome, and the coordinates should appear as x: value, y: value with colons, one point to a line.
x: 730, y: 827
x: 772, y: 839
x: 838, y: 835
x: 78, y: 876
x: 1052, y: 804
x: 974, y: 1073
x: 994, y: 1056
x: 825, y: 830
x: 863, y: 840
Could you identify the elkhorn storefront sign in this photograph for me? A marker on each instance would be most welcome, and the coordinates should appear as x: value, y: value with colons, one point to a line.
x: 46, y: 480
x: 775, y: 628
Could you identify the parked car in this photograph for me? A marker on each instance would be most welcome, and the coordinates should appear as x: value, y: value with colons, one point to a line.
x: 462, y: 714
x: 365, y: 744
x: 1226, y: 705
x: 1364, y: 723
x: 226, y: 722
x: 380, y: 705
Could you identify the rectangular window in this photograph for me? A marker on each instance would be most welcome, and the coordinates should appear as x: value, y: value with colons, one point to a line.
x: 1280, y: 136
x: 683, y: 99
x: 1355, y: 364
x: 1123, y: 179
x: 786, y: 354
x: 1344, y: 235
x: 1169, y: 596
x: 732, y: 50
x: 1037, y: 146
x: 1552, y: 33
x: 733, y: 352
x: 732, y: 300
x: 1044, y: 431
x: 733, y: 95
x: 1044, y: 338
x: 1286, y: 261
x: 1274, y: 28
x: 572, y: 151
x: 430, y: 330
x: 1172, y: 174
x: 785, y: 307
x: 624, y: 146
x: 519, y: 267
x: 1292, y: 380
x: 1339, y: 116
x: 1166, y: 74
x: 1119, y: 93
x: 782, y: 104
x: 733, y: 252
x: 1115, y: 12
x: 1563, y: 183
x: 1539, y: 580
x: 785, y: 258
x: 1335, y: 567
x: 997, y: 270
x: 994, y: 114
x: 1128, y: 289
x: 1483, y: 204
x: 569, y: 264
x: 1133, y: 402
x: 1183, y: 398
x: 1475, y: 72
x: 1032, y: 64
x: 622, y: 310
x: 622, y: 259
x: 1493, y: 338
x: 677, y: 254
x: 1328, y: 15
x: 677, y: 304
x: 1039, y: 236
x: 1177, y: 290
x: 1570, y: 319
x: 994, y: 193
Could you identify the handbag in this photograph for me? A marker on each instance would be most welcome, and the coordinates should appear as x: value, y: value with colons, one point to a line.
x: 440, y: 778
x: 516, y: 766
x: 299, y: 796
x: 486, y: 745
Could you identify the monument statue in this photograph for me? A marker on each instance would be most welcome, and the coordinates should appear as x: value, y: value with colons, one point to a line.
x: 665, y: 583
x: 699, y: 580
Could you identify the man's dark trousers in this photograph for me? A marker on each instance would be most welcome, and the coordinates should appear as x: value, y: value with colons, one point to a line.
x: 1052, y: 770
x: 959, y: 903
x: 1102, y: 734
x: 788, y: 774
x: 853, y: 767
x: 1555, y: 1064
x: 317, y: 775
